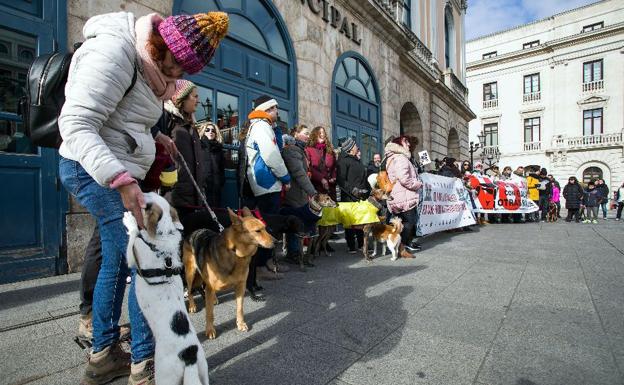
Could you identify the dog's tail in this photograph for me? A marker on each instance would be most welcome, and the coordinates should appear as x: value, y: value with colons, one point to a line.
x: 199, y: 240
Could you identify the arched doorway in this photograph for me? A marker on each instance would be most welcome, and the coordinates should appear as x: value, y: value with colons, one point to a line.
x: 410, y: 124
x: 453, y: 144
x: 255, y: 58
x: 592, y: 174
x: 356, y: 108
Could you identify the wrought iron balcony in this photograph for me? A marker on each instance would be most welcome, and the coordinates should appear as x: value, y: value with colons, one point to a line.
x: 492, y: 103
x: 532, y: 97
x: 597, y: 85
x: 588, y: 141
x: 533, y: 146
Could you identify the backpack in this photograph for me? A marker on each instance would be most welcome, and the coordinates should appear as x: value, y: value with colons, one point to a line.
x: 383, y: 180
x: 45, y: 96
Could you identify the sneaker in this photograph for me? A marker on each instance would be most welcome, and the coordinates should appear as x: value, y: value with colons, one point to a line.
x: 586, y: 221
x: 85, y: 326
x: 142, y: 373
x: 617, y: 219
x: 594, y: 221
x: 105, y: 366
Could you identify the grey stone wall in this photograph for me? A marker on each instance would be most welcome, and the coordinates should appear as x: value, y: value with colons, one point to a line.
x: 317, y: 46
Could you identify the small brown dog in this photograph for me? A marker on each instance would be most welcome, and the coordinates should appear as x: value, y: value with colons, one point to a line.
x: 551, y: 216
x: 387, y: 235
x: 221, y: 261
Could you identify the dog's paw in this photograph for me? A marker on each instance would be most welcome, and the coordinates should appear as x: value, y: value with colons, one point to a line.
x: 130, y: 222
x: 192, y: 308
x: 211, y: 333
x: 242, y: 326
x: 373, y: 255
x: 393, y: 258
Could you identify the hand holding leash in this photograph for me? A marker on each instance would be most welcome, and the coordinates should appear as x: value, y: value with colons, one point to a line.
x: 168, y: 143
x: 133, y: 201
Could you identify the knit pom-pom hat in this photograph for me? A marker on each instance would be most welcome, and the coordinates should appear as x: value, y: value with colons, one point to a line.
x: 193, y: 39
x: 183, y: 89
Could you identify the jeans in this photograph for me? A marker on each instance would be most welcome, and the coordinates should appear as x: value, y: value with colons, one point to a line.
x: 90, y: 271
x: 603, y: 205
x: 107, y: 208
x: 619, y: 210
x: 592, y: 213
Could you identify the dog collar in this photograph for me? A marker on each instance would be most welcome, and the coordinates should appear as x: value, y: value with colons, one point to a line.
x: 168, y: 271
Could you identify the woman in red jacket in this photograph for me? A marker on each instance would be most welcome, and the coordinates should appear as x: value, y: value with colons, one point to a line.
x: 320, y: 152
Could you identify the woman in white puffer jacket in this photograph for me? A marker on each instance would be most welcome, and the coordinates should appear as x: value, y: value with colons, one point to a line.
x: 107, y: 147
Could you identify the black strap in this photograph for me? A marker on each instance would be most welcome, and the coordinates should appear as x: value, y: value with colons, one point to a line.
x: 134, y: 79
x: 166, y: 272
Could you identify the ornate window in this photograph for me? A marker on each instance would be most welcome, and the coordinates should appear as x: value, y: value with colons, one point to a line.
x: 353, y: 76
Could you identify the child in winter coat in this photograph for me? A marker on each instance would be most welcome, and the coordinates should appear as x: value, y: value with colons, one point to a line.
x: 591, y: 201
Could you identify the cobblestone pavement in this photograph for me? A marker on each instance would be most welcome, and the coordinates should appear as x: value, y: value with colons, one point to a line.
x: 505, y: 304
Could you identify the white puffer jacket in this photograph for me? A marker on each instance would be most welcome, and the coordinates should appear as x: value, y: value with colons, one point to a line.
x: 104, y: 131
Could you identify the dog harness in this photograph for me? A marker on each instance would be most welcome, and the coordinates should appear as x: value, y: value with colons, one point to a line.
x: 168, y: 271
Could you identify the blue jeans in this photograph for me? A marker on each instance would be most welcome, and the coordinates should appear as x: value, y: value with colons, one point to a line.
x: 107, y: 208
x: 603, y: 205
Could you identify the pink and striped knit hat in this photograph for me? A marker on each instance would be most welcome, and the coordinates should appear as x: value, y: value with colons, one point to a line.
x: 183, y: 89
x: 193, y: 39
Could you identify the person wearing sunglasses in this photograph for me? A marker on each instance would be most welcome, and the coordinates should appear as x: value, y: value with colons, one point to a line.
x: 214, y: 159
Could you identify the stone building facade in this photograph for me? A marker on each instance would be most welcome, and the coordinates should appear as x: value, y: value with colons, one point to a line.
x: 371, y: 69
x: 551, y: 93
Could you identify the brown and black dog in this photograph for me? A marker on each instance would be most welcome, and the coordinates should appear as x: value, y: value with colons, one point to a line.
x: 551, y: 216
x: 221, y: 261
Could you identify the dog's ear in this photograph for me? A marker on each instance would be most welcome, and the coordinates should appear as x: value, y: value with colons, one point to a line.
x: 175, y: 218
x: 247, y: 212
x: 235, y: 219
x: 153, y: 214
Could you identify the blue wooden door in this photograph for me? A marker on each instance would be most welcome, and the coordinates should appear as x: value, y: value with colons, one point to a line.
x: 355, y: 105
x: 31, y: 199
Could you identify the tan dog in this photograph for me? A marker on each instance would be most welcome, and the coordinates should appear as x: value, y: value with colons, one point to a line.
x: 387, y: 235
x: 221, y: 261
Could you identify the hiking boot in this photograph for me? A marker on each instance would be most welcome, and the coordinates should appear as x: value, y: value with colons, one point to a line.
x: 105, y: 366
x: 85, y: 327
x: 142, y: 373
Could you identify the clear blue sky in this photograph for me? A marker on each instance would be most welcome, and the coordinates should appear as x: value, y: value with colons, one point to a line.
x: 488, y: 16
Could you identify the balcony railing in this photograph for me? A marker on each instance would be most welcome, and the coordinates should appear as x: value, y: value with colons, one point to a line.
x: 489, y: 150
x: 588, y: 141
x: 455, y: 84
x: 593, y: 86
x: 492, y: 103
x: 533, y: 146
x: 532, y: 97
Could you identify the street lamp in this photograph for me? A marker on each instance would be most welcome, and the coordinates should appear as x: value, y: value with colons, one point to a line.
x: 474, y: 147
x: 207, y: 109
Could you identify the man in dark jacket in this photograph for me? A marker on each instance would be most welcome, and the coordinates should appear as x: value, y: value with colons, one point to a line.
x: 449, y: 169
x: 545, y: 192
x: 351, y: 179
x: 602, y: 187
x: 373, y: 165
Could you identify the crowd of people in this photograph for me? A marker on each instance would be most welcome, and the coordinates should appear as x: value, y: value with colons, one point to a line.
x: 123, y: 137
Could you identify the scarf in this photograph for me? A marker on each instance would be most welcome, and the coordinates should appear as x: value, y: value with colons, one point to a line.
x: 320, y: 146
x: 163, y: 86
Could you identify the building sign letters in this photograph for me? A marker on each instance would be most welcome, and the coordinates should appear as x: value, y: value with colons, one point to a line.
x: 332, y: 15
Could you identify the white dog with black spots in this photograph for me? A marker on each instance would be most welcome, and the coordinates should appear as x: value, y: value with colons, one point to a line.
x: 155, y: 253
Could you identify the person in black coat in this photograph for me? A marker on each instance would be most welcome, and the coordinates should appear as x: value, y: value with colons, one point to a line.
x: 214, y: 159
x: 573, y: 194
x: 602, y: 187
x: 449, y: 169
x: 351, y: 179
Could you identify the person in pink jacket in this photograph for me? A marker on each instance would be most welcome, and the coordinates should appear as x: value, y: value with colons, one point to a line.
x: 320, y: 152
x: 556, y: 194
x: 405, y: 192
